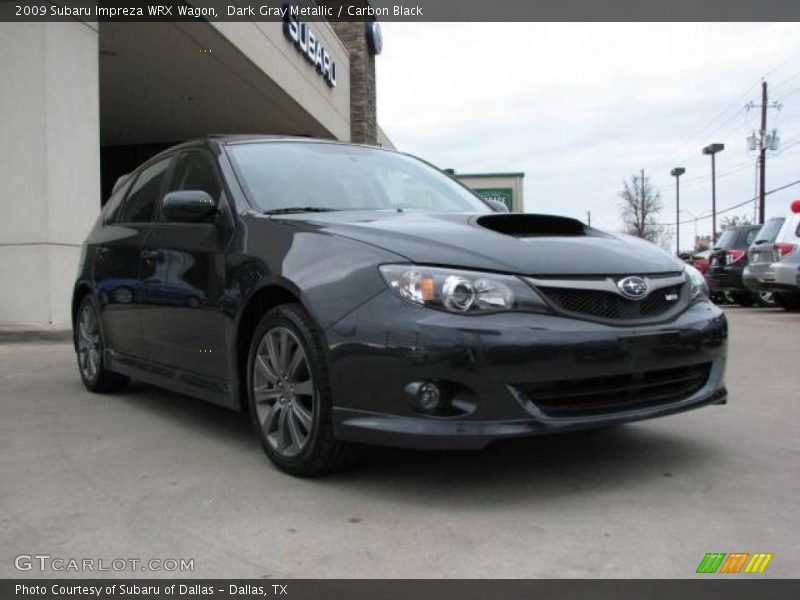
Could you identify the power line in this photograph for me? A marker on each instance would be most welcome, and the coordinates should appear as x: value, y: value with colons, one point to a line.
x: 785, y: 81
x: 787, y: 94
x: 735, y: 206
x: 780, y: 66
x: 707, y: 131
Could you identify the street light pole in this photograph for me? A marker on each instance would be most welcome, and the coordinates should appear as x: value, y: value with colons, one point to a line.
x: 712, y: 149
x: 676, y: 173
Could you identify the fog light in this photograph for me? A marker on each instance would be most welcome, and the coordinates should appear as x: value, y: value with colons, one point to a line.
x: 428, y: 397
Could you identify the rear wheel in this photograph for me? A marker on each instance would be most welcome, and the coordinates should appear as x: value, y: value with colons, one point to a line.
x: 89, y: 350
x: 788, y: 301
x: 290, y: 397
x: 764, y: 298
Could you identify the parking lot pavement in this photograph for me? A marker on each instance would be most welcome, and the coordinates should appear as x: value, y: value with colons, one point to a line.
x: 149, y: 474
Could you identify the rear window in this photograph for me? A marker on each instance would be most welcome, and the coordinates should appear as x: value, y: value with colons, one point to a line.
x: 750, y: 237
x: 790, y: 230
x: 770, y: 230
x: 726, y: 239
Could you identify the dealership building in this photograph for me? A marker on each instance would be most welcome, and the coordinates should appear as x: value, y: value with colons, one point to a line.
x: 502, y: 187
x: 83, y: 103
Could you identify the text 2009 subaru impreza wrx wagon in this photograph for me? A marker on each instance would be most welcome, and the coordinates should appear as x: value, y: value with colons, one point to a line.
x: 345, y: 294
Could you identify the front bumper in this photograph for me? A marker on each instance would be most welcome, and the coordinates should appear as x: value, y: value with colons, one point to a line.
x: 488, y: 364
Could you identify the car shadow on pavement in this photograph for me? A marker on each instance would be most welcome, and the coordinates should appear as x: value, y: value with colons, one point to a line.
x: 207, y: 420
x: 525, y: 469
x: 506, y: 472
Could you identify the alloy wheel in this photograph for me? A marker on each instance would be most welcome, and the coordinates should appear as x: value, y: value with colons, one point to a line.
x: 283, y: 391
x: 88, y: 343
x: 766, y: 297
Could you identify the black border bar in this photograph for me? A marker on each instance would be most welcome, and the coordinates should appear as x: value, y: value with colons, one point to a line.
x: 705, y: 588
x: 408, y: 10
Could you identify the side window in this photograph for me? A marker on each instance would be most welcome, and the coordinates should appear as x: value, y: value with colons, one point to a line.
x: 140, y: 205
x: 111, y: 211
x: 751, y: 236
x: 196, y: 171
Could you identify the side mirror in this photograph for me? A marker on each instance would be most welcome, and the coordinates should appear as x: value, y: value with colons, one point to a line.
x: 496, y: 205
x: 188, y: 206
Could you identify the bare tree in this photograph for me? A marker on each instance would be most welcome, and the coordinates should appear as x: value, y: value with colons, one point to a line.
x: 640, y: 205
x: 734, y: 221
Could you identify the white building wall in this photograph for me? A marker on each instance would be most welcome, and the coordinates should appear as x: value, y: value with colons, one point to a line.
x: 49, y: 165
x: 266, y: 46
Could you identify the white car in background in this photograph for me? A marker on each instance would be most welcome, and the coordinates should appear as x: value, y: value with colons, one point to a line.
x: 783, y: 276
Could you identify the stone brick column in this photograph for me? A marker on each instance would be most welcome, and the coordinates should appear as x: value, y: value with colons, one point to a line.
x: 363, y: 117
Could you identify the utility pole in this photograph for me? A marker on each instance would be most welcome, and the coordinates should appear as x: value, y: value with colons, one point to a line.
x: 762, y: 157
x: 676, y: 173
x: 763, y: 141
x: 712, y: 150
x: 589, y: 218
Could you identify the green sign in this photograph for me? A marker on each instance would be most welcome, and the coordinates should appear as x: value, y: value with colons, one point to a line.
x: 504, y: 195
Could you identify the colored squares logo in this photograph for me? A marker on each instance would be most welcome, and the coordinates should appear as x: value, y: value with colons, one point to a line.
x: 734, y: 562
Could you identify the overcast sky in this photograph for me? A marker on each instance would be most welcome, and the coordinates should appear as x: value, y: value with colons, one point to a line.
x: 580, y: 107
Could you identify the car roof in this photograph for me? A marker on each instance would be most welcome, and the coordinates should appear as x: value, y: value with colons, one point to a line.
x: 241, y: 138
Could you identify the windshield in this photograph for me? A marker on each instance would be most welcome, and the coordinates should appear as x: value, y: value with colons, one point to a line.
x: 286, y: 175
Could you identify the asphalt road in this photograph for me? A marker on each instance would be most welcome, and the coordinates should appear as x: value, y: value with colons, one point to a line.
x: 150, y: 474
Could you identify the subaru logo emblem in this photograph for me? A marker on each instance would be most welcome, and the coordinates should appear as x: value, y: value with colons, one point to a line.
x: 635, y: 288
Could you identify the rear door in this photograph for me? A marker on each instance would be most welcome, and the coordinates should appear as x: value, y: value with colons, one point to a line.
x: 184, y: 277
x: 116, y: 259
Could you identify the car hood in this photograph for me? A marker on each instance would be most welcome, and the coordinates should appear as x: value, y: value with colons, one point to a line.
x: 524, y: 244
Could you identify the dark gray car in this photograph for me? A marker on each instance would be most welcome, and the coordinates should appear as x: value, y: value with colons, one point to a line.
x: 347, y: 295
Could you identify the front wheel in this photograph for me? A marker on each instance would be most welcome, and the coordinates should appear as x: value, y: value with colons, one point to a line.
x: 89, y: 350
x: 290, y: 397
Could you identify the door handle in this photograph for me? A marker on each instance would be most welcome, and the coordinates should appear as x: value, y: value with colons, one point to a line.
x: 148, y: 254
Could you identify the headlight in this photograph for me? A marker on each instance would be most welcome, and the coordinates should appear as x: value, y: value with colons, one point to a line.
x: 462, y: 292
x: 697, y: 283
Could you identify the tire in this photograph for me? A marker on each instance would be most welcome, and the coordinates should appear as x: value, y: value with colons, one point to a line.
x: 89, y: 348
x: 788, y: 302
x: 765, y: 298
x: 720, y: 298
x: 743, y: 299
x: 289, y: 395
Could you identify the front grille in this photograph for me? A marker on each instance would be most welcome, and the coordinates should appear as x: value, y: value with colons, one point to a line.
x: 609, y: 305
x: 617, y: 393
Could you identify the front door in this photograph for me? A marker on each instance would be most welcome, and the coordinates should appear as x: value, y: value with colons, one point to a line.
x: 116, y: 260
x: 183, y: 281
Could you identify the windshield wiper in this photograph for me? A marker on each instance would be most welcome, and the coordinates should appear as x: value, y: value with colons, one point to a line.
x: 297, y: 209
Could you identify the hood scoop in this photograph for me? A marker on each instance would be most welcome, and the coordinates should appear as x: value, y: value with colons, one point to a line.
x: 524, y: 225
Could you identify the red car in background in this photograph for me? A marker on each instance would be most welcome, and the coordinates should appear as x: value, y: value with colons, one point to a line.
x: 700, y: 261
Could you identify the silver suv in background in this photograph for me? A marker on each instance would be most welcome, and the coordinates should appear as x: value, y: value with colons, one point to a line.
x: 759, y: 258
x: 782, y: 277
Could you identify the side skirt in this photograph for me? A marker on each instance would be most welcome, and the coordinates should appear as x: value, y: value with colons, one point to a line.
x: 215, y: 391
